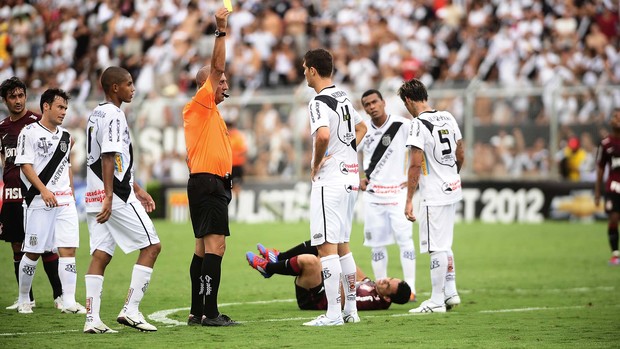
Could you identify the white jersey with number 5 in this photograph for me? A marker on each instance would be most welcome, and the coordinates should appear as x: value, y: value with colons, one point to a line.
x: 332, y: 108
x: 107, y: 132
x: 436, y: 133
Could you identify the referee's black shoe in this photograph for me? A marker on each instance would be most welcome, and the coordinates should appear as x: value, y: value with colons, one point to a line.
x: 220, y: 320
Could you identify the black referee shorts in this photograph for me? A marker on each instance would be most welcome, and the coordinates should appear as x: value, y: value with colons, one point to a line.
x: 209, y: 196
x: 12, y: 220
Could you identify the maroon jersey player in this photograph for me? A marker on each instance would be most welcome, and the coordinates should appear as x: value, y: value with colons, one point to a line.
x: 609, y: 157
x: 302, y: 262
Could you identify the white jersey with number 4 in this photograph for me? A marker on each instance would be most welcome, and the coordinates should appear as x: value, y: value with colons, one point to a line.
x: 107, y: 132
x: 436, y: 133
x: 48, y: 153
x: 332, y: 108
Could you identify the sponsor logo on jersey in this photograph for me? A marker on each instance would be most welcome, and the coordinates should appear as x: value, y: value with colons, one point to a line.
x: 449, y: 188
x: 343, y: 168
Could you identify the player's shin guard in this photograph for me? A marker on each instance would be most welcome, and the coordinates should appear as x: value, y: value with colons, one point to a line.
x: 347, y: 264
x: 331, y: 280
x: 67, y: 273
x: 94, y: 289
x: 439, y: 269
x: 27, y: 268
x: 140, y: 279
x: 379, y: 262
x: 211, y: 275
x: 196, y: 282
x: 50, y: 263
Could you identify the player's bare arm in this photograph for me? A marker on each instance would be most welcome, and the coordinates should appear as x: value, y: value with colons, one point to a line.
x: 460, y: 155
x: 320, y: 147
x: 47, y: 196
x: 145, y: 198
x: 413, y: 177
x: 107, y: 172
x: 218, y: 59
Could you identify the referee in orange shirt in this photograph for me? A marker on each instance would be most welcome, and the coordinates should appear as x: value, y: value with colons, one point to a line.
x: 209, y: 158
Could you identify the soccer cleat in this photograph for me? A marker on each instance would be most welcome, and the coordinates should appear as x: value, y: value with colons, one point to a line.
x: 614, y: 260
x: 270, y: 254
x: 258, y: 263
x: 136, y: 321
x: 16, y: 304
x: 58, y: 303
x: 99, y: 328
x: 220, y: 320
x: 193, y: 320
x: 76, y: 309
x: 452, y: 302
x: 428, y: 307
x: 323, y: 320
x: 24, y: 308
x: 352, y: 317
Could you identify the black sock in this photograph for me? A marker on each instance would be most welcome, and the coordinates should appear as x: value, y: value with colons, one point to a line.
x: 211, y: 274
x: 17, y: 258
x: 50, y: 263
x: 612, y: 233
x: 196, y: 280
x: 303, y: 248
x: 284, y: 267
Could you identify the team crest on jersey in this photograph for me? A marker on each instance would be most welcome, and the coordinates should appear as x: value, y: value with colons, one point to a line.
x: 44, y: 146
x: 386, y: 140
x: 63, y: 146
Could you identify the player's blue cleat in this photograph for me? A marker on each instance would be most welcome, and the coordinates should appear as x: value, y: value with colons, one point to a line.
x: 258, y: 263
x: 270, y: 254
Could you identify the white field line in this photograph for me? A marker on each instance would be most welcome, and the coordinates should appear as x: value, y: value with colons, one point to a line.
x: 162, y: 315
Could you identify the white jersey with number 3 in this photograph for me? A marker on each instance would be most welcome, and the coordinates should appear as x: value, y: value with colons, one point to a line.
x: 436, y: 133
x: 332, y: 108
x: 107, y: 132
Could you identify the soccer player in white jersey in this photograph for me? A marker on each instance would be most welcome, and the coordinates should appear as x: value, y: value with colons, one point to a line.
x: 384, y: 181
x: 50, y: 216
x: 437, y: 156
x: 116, y: 206
x: 336, y: 129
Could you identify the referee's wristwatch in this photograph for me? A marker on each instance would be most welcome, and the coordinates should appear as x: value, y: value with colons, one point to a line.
x: 218, y: 33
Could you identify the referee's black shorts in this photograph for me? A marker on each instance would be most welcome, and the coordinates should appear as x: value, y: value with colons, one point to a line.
x: 12, y: 220
x: 209, y: 196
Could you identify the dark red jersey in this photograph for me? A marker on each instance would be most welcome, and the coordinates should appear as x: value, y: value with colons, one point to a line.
x: 367, y: 297
x: 609, y: 155
x: 9, y: 130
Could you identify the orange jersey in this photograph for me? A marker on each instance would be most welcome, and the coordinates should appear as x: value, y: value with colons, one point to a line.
x: 206, y: 136
x: 239, y: 148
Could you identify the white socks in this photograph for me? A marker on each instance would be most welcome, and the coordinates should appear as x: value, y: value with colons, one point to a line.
x: 67, y: 273
x: 94, y: 289
x: 407, y: 261
x: 347, y: 263
x: 450, y: 288
x: 27, y: 268
x: 331, y: 280
x: 439, y: 268
x: 140, y: 279
x: 379, y: 262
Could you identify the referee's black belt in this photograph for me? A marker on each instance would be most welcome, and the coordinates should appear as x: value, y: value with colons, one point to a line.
x: 207, y: 174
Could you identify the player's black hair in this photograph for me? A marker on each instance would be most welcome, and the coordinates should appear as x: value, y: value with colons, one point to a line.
x: 321, y: 60
x: 402, y: 294
x: 113, y: 75
x: 9, y: 85
x: 413, y: 89
x: 50, y: 94
x: 372, y: 91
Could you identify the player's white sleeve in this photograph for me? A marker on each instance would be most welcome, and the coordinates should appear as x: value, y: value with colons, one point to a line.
x: 319, y: 115
x: 112, y: 141
x: 415, y: 138
x: 25, y: 148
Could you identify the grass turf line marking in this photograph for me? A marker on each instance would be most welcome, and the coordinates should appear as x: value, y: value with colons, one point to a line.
x: 30, y: 333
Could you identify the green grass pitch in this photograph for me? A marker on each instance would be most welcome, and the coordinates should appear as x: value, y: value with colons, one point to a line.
x: 522, y: 286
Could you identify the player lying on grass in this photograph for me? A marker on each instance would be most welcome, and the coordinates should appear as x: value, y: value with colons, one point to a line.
x: 302, y: 261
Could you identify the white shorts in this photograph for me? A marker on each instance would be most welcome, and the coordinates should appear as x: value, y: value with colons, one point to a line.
x: 129, y: 227
x: 46, y: 229
x: 385, y: 222
x: 331, y: 213
x: 436, y: 227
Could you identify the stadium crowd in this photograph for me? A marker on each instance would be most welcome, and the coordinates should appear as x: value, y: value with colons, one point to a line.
x: 376, y: 44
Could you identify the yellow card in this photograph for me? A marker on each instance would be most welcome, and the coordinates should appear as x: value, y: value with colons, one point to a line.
x: 228, y: 5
